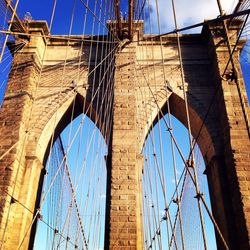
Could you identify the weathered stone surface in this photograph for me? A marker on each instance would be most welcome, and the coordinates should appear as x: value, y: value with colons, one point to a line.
x: 37, y: 104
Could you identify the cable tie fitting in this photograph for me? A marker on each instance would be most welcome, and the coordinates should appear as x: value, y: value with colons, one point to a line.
x: 44, y: 171
x: 190, y: 163
x: 13, y: 200
x: 198, y: 196
x: 39, y: 216
x: 165, y: 217
x: 176, y: 201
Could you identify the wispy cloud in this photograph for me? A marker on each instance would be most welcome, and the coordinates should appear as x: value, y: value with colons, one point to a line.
x: 188, y: 12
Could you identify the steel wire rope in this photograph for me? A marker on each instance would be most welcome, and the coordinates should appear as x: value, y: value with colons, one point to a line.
x: 157, y: 200
x: 169, y: 111
x: 110, y: 32
x: 146, y: 110
x: 59, y: 210
x: 73, y: 38
x: 150, y: 204
x: 144, y: 209
x: 211, y: 21
x: 165, y: 121
x: 210, y: 106
x: 156, y: 164
x: 88, y: 147
x: 235, y: 70
x: 64, y: 69
x: 26, y: 134
x: 5, y: 12
x: 72, y: 90
x: 102, y: 90
x: 152, y: 191
x: 184, y: 174
x: 110, y: 92
x: 58, y: 207
x: 153, y: 64
x: 188, y: 123
x: 158, y: 229
x: 199, y: 196
x: 63, y: 73
x: 146, y: 162
x: 3, y: 70
x: 70, y: 207
x: 25, y: 207
x: 168, y: 129
x: 73, y: 192
x: 151, y: 122
x: 145, y: 206
x: 162, y: 184
x: 103, y: 38
x: 97, y: 230
x: 53, y: 229
x: 9, y: 28
x: 89, y: 201
x: 153, y: 144
x: 139, y: 13
x: 67, y: 152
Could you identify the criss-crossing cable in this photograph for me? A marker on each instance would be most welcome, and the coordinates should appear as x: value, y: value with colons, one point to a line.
x: 72, y: 202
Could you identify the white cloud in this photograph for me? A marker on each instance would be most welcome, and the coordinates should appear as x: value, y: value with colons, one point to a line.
x: 188, y: 12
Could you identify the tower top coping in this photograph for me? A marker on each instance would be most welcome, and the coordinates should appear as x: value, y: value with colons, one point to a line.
x: 33, y: 26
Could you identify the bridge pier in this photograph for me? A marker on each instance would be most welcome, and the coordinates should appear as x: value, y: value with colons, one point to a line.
x: 124, y: 229
x: 228, y: 171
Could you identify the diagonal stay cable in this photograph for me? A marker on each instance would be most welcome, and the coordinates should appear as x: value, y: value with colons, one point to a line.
x: 73, y: 192
x: 187, y: 166
x: 215, y: 93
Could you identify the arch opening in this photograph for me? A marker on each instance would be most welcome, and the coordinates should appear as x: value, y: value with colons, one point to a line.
x: 199, y: 129
x: 72, y: 197
x: 170, y: 209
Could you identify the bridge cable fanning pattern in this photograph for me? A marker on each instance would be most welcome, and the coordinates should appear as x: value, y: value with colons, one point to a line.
x: 61, y: 169
x: 190, y: 154
x: 105, y: 100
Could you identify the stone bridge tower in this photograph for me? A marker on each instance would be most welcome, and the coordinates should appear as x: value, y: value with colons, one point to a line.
x: 26, y: 132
